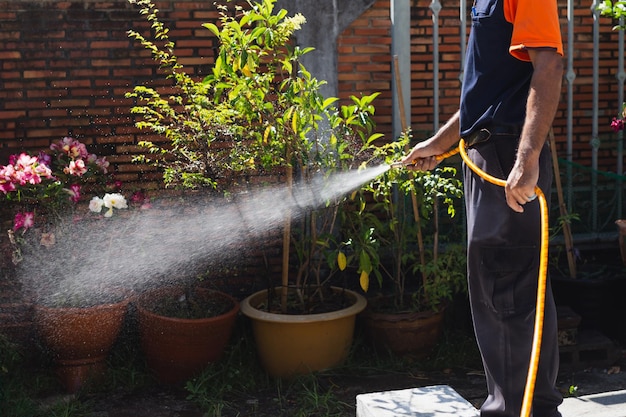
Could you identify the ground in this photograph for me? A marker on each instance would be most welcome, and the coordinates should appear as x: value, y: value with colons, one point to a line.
x: 173, y: 402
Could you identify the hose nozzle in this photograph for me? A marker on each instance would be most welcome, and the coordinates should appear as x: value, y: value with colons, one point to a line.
x: 396, y: 165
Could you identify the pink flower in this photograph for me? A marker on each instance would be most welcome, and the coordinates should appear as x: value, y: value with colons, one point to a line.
x: 617, y: 124
x: 71, y: 147
x: 74, y: 192
x: 138, y: 198
x: 103, y: 164
x: 43, y: 171
x: 28, y: 170
x: 76, y: 168
x: 24, y: 220
x: 7, y: 178
x: 25, y: 169
x: 6, y: 186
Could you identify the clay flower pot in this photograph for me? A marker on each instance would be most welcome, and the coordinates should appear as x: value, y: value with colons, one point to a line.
x: 80, y: 339
x: 414, y: 334
x: 177, y: 349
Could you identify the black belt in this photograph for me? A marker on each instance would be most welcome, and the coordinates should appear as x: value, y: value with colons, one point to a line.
x: 485, y: 133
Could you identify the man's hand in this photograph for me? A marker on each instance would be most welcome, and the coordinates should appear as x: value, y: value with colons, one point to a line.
x: 520, y: 185
x: 422, y: 157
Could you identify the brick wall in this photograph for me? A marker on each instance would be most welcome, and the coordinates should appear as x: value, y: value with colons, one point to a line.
x: 67, y: 64
x: 364, y: 61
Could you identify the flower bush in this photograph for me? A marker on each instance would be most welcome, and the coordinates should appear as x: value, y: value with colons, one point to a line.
x: 46, y: 185
x: 41, y: 193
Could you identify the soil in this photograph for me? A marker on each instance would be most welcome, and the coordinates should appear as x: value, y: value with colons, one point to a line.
x: 172, y: 402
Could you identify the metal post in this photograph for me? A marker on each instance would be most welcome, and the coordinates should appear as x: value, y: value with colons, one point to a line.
x: 595, y: 140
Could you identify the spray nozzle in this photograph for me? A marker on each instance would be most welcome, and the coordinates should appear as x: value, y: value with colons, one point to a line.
x: 397, y: 165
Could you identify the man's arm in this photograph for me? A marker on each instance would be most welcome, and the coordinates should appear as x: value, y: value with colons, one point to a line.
x: 422, y: 156
x: 543, y: 100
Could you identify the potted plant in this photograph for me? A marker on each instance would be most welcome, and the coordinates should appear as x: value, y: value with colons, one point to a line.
x: 77, y: 318
x: 260, y: 112
x: 591, y: 286
x: 78, y: 313
x: 393, y: 234
x: 183, y: 329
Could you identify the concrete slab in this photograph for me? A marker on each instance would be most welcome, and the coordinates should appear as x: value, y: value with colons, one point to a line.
x: 433, y: 401
x: 444, y: 401
x: 606, y: 404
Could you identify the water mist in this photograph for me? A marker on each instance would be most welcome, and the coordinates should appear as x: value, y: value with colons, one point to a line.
x: 148, y: 247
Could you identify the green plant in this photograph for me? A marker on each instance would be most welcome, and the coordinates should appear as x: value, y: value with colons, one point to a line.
x: 9, y: 355
x: 400, y: 211
x: 615, y: 10
x: 236, y: 374
x: 258, y: 111
x: 20, y: 388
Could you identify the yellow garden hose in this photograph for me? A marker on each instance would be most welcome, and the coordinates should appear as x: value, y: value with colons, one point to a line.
x: 541, y: 284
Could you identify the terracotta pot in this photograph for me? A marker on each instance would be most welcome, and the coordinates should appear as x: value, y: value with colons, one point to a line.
x: 80, y: 339
x: 598, y: 300
x: 290, y: 345
x: 414, y: 334
x: 177, y: 349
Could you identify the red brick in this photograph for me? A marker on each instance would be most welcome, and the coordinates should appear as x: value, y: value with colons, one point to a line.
x: 12, y: 114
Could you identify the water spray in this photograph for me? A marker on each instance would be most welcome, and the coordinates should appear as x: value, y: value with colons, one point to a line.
x: 543, y: 268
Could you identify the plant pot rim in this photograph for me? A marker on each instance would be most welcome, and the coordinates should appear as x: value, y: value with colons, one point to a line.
x: 145, y: 310
x: 250, y: 303
x: 402, y: 315
x: 77, y: 310
x: 606, y: 273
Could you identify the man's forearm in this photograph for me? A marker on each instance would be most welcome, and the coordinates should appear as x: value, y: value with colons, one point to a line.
x: 543, y: 101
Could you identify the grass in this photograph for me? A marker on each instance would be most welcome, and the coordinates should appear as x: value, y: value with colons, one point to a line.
x: 234, y: 386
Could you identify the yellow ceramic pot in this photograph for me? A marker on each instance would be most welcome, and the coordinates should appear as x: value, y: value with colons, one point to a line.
x: 290, y: 345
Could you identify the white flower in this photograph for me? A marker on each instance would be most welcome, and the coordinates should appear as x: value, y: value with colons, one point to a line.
x: 114, y: 200
x: 110, y: 201
x: 96, y: 204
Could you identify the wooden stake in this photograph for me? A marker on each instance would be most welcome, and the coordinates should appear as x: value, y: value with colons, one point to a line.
x: 567, y: 231
x: 403, y: 125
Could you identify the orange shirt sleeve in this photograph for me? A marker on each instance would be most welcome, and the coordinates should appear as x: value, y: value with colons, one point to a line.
x: 535, y: 25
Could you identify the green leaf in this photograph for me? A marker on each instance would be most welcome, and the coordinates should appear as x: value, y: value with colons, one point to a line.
x: 213, y: 28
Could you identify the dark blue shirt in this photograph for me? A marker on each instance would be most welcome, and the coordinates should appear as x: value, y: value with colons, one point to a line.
x: 496, y: 84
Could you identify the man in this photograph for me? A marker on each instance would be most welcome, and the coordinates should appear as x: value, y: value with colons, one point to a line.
x: 509, y: 98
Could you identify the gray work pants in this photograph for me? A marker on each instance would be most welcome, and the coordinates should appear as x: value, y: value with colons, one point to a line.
x: 503, y: 267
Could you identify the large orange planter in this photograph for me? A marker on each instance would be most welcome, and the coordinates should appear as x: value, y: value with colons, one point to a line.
x: 178, y: 349
x: 290, y: 345
x: 80, y: 339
